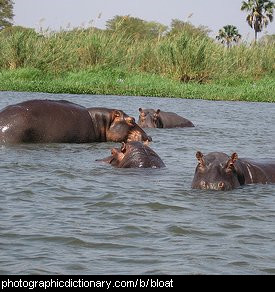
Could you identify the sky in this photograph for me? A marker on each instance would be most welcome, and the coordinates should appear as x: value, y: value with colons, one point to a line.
x: 67, y: 14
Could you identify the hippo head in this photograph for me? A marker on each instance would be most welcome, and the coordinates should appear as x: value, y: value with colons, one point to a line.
x: 117, y: 155
x: 124, y: 128
x: 157, y: 120
x: 216, y: 171
x: 149, y: 118
x: 134, y: 154
x: 145, y: 119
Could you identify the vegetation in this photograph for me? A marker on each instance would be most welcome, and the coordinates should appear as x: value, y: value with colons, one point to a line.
x: 6, y: 13
x: 181, y: 62
x: 179, y: 26
x: 135, y: 27
x: 268, y: 39
x: 105, y: 81
x: 260, y: 14
x: 228, y: 35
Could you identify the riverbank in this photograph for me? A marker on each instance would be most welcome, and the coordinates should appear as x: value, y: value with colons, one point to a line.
x: 187, y: 64
x: 119, y: 82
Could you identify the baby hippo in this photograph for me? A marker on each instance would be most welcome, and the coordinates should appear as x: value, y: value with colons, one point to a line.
x: 134, y: 155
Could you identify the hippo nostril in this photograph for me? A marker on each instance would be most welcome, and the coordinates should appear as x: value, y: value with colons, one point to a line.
x: 203, y: 185
x: 221, y: 185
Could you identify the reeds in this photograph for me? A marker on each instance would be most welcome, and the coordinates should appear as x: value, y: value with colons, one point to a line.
x: 184, y: 57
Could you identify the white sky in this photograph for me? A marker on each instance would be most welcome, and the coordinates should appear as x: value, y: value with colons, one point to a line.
x: 56, y: 14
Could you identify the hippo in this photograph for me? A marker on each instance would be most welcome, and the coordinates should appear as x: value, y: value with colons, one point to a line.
x: 150, y: 118
x: 134, y: 155
x: 218, y: 171
x: 52, y: 121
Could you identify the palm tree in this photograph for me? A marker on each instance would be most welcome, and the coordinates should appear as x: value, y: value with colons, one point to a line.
x: 228, y: 34
x: 260, y: 13
x: 6, y: 13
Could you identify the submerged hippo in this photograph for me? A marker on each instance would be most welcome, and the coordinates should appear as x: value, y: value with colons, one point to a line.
x: 134, y: 155
x: 218, y: 171
x: 50, y: 121
x: 150, y: 118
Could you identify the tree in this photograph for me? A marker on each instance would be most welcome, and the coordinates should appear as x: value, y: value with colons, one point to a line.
x: 228, y: 34
x: 136, y: 27
x: 179, y: 26
x: 260, y: 14
x: 268, y: 39
x: 6, y: 13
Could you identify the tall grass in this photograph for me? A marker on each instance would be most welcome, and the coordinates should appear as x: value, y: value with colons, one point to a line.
x: 184, y: 56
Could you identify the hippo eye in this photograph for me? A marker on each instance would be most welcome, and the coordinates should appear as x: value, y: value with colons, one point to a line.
x: 229, y: 169
x: 132, y: 120
x: 201, y: 167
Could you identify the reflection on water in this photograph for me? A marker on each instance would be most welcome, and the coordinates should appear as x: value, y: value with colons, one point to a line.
x: 64, y: 213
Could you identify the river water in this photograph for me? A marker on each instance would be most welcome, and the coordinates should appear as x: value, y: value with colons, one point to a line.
x: 61, y: 212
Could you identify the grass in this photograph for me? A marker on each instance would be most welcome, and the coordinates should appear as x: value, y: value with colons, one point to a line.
x: 119, y: 82
x: 99, y: 62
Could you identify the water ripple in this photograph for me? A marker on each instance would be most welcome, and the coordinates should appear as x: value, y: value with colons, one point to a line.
x: 64, y: 213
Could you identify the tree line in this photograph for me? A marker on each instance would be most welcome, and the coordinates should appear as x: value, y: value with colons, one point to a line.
x: 260, y: 14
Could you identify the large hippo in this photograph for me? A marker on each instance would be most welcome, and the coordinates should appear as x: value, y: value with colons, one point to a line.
x: 150, y: 118
x: 134, y: 155
x: 51, y: 121
x: 218, y: 171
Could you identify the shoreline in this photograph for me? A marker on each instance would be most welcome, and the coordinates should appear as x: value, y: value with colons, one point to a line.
x: 123, y: 83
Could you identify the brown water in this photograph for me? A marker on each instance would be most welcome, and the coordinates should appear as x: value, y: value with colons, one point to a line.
x: 63, y: 213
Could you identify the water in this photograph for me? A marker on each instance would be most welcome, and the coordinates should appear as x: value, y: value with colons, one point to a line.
x: 61, y: 212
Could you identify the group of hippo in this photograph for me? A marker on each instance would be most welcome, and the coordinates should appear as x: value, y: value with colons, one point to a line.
x: 60, y: 121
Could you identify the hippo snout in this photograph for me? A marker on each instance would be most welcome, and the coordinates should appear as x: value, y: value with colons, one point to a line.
x: 203, y: 185
x: 218, y: 186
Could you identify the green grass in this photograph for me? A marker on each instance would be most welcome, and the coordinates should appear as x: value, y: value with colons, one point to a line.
x: 120, y: 82
x: 100, y: 62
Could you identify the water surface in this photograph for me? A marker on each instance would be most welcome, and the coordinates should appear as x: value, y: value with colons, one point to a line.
x: 61, y: 212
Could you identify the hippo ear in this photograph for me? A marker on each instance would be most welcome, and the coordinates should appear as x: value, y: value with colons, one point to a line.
x: 123, y: 147
x: 231, y: 161
x: 200, y: 158
x: 156, y: 114
x: 234, y: 157
x: 116, y: 114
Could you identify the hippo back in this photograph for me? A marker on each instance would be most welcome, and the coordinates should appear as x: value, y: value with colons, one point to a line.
x: 45, y: 121
x: 257, y: 170
x: 139, y: 155
x: 172, y: 120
